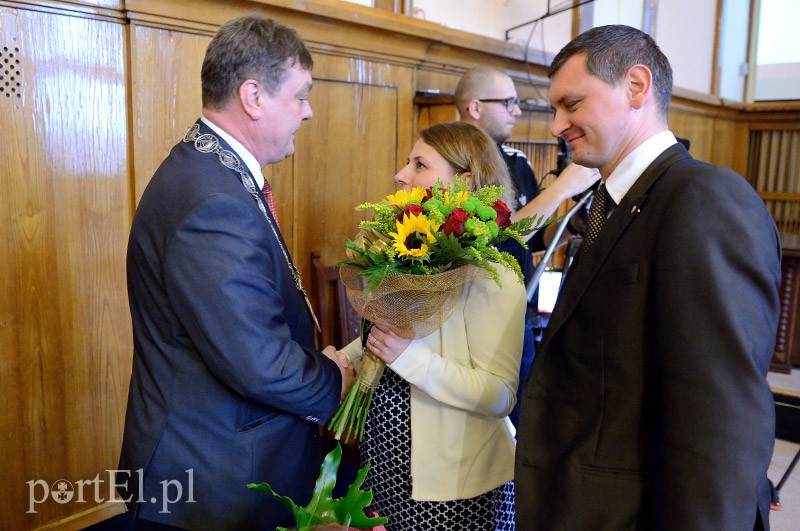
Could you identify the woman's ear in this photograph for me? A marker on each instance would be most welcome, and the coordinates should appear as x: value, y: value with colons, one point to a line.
x: 470, y: 181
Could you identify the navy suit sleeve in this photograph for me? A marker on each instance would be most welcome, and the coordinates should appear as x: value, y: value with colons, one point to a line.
x: 717, y: 266
x: 227, y: 279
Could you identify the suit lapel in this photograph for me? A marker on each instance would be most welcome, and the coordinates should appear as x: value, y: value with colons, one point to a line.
x: 204, y: 129
x: 273, y: 231
x: 587, y: 265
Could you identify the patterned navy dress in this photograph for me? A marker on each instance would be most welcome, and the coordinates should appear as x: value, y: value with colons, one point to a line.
x: 387, y: 445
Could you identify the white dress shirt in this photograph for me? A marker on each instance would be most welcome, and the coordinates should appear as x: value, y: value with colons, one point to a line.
x: 634, y: 164
x: 247, y: 159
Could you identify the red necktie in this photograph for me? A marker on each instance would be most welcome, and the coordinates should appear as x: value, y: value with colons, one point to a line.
x: 268, y: 197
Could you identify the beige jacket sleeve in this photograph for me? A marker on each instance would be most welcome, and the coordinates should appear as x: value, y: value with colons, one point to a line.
x: 472, y: 362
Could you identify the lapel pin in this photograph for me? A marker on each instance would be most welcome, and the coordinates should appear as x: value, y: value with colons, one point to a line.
x: 635, y: 210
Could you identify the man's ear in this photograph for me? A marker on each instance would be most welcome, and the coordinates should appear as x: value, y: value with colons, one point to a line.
x: 251, y: 97
x: 474, y: 108
x: 639, y: 84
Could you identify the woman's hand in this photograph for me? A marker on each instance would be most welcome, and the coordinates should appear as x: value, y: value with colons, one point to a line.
x: 385, y: 344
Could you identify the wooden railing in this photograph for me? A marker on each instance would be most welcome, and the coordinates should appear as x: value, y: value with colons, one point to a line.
x: 785, y: 210
x: 541, y: 154
x: 773, y: 168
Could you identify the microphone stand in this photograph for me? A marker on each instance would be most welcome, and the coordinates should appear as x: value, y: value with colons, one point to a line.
x: 537, y: 274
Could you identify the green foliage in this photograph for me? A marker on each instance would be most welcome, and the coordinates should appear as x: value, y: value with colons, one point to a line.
x: 377, y: 262
x: 488, y: 195
x: 323, y: 508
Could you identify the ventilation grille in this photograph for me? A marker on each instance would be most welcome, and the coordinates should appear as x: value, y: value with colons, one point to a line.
x: 10, y: 74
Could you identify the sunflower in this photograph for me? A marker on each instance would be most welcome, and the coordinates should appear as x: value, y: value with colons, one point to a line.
x: 413, y: 235
x: 402, y: 198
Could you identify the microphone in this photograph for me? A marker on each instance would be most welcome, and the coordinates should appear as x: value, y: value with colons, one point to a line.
x: 563, y: 157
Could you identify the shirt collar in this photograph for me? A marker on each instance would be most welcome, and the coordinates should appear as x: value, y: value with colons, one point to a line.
x: 247, y: 158
x: 634, y: 164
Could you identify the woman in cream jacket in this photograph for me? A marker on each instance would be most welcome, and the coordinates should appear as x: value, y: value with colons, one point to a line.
x: 438, y: 435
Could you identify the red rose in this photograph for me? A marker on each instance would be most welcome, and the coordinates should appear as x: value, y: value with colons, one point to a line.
x: 503, y: 214
x: 411, y: 208
x: 454, y: 224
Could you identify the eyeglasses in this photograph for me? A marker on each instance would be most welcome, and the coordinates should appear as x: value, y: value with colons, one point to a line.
x: 510, y: 103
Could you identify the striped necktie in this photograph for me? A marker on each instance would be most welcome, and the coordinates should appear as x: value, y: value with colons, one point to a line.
x: 266, y: 191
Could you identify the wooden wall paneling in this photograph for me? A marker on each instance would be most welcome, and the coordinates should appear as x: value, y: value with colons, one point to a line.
x: 107, y: 4
x: 437, y: 107
x: 533, y: 125
x: 95, y: 9
x: 459, y: 51
x: 326, y: 24
x: 65, y: 326
x: 384, y: 72
x: 165, y: 94
x: 773, y: 159
x: 715, y: 127
x: 357, y: 125
x: 697, y: 129
x: 730, y: 144
x: 774, y: 111
x: 345, y: 155
x: 434, y: 110
x: 445, y: 81
x: 406, y: 128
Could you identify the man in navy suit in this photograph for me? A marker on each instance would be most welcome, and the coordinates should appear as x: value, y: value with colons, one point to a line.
x: 227, y: 386
x: 647, y: 405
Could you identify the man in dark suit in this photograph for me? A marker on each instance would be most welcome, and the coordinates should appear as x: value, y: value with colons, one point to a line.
x: 648, y: 406
x: 227, y: 386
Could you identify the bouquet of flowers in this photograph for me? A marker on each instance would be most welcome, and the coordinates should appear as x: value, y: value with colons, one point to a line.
x: 408, y: 267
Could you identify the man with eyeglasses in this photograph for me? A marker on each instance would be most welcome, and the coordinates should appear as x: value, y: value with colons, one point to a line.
x: 487, y: 98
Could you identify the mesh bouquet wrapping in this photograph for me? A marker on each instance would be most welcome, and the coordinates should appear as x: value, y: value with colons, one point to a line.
x: 415, y: 305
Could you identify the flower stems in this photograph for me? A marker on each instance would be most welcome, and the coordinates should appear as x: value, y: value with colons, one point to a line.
x: 351, y: 416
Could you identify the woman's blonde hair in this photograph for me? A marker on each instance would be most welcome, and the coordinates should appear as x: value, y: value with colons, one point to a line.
x: 468, y: 148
